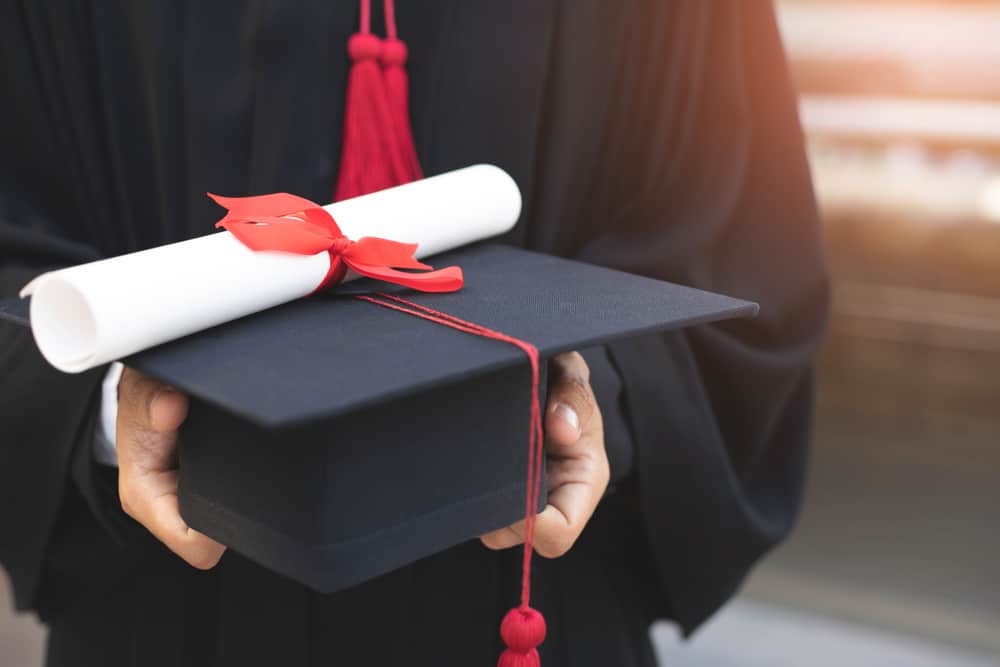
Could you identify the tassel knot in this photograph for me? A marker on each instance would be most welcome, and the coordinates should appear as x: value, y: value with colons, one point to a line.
x: 522, y: 630
x: 394, y: 52
x: 364, y: 46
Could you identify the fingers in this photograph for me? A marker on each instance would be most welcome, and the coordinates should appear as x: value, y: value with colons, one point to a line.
x: 152, y: 501
x: 572, y: 408
x: 557, y: 527
x: 504, y: 538
x: 149, y: 414
x: 577, y: 467
x: 575, y: 489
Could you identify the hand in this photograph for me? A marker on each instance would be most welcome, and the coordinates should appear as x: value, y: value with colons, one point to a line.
x: 577, y: 464
x: 149, y: 414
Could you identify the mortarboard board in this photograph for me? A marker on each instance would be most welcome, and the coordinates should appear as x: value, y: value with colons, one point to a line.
x: 332, y: 440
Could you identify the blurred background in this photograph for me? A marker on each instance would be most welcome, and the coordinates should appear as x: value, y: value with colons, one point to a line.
x: 896, y: 560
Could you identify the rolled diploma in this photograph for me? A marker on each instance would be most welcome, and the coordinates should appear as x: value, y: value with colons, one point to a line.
x: 88, y: 315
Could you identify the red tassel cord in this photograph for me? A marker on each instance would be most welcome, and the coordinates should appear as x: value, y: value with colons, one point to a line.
x: 397, y: 89
x: 523, y: 628
x: 378, y: 150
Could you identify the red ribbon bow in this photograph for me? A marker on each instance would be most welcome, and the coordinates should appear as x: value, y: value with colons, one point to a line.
x: 286, y: 223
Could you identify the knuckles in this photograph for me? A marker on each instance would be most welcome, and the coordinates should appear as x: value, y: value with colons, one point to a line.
x: 577, y: 392
x: 572, y: 364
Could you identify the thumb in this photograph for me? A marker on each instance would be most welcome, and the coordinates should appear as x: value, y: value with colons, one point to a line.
x: 149, y: 415
x: 572, y: 408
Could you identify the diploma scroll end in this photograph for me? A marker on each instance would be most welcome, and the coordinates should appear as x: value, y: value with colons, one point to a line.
x: 62, y: 323
x: 32, y: 285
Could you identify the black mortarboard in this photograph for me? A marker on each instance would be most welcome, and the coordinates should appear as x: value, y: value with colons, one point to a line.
x: 333, y: 440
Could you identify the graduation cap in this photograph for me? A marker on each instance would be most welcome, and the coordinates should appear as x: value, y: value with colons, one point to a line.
x: 333, y: 440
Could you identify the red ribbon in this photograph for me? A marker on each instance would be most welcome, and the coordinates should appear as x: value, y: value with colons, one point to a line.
x: 286, y: 223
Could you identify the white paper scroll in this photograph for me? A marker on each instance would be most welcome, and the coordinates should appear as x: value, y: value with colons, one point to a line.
x: 88, y: 315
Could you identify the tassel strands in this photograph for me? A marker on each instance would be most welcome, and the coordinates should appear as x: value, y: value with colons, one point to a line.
x: 397, y: 88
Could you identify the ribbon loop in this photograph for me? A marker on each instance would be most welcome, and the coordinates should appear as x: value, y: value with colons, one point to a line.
x: 282, y: 222
x: 370, y: 250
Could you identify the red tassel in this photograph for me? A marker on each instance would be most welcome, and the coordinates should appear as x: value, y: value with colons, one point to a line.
x: 365, y: 163
x: 378, y: 153
x: 397, y: 92
x: 397, y: 89
x: 378, y: 150
x: 522, y: 629
x: 369, y: 160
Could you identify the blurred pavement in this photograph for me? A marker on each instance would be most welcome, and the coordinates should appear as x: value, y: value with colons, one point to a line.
x: 21, y: 636
x: 746, y: 634
x: 756, y: 634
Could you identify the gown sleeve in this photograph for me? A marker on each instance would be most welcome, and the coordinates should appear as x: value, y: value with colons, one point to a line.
x: 53, y: 213
x: 704, y: 182
x: 46, y: 417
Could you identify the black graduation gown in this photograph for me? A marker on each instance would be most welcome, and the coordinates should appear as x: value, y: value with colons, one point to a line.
x: 660, y: 138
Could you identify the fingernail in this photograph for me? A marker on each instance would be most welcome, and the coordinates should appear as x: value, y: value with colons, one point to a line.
x: 569, y: 414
